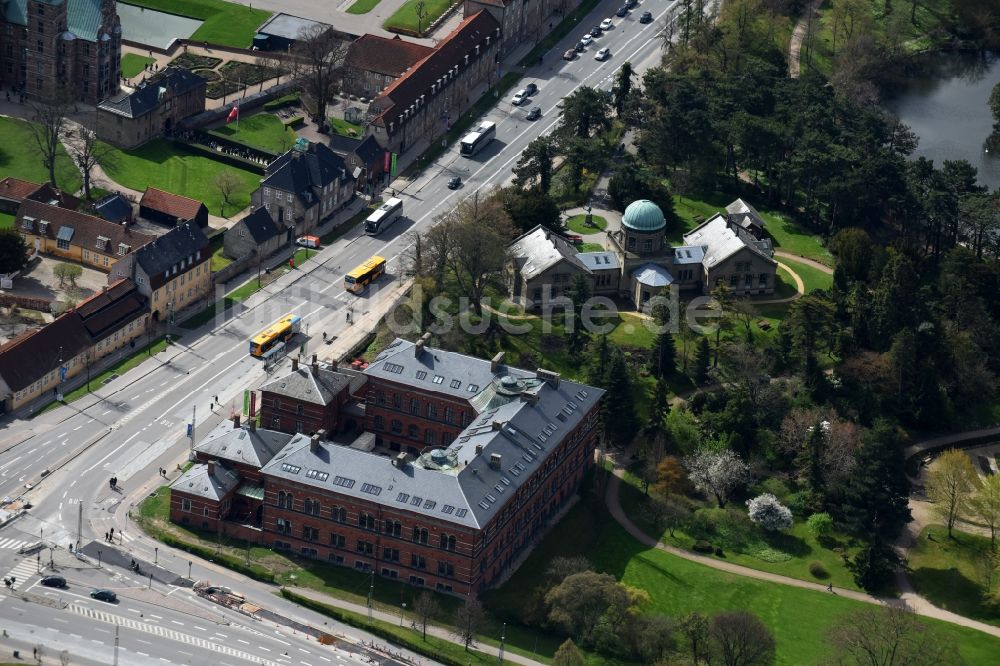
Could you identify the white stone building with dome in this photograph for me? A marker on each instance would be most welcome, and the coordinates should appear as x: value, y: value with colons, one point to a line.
x: 638, y: 262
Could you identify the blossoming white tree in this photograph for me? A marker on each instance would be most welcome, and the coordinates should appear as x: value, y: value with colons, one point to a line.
x: 717, y: 472
x: 765, y: 510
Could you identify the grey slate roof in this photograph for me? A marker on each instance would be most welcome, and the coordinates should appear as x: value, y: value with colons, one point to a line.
x: 539, y: 250
x: 653, y: 275
x: 599, y: 261
x: 688, y: 254
x: 456, y: 484
x: 242, y: 445
x: 260, y: 225
x: 319, y: 389
x: 745, y: 215
x: 147, y: 94
x: 197, y: 481
x: 298, y: 171
x: 171, y: 248
x: 720, y: 240
x: 114, y: 208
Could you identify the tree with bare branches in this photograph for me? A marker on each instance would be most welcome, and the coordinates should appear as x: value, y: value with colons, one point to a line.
x: 88, y: 153
x: 425, y: 608
x: 887, y: 636
x: 317, y: 64
x: 226, y: 182
x: 48, y: 126
x: 468, y: 620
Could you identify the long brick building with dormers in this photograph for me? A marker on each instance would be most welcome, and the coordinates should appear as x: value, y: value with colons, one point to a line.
x: 510, y: 448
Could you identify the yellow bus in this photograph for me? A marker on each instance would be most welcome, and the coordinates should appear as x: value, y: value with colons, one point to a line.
x: 280, y: 331
x: 365, y: 274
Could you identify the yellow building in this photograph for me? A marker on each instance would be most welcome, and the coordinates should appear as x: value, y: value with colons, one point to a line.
x: 76, y: 236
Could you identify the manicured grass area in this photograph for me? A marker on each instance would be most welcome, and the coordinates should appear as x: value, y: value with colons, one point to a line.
x: 405, y: 18
x: 7, y: 220
x: 798, y: 618
x: 133, y: 64
x: 219, y: 260
x: 159, y: 164
x: 784, y: 286
x: 589, y: 247
x: 946, y: 572
x: 632, y: 332
x: 362, y: 6
x: 785, y: 234
x: 20, y: 158
x: 812, y: 278
x: 262, y: 130
x: 344, y: 128
x: 578, y: 224
x: 225, y: 23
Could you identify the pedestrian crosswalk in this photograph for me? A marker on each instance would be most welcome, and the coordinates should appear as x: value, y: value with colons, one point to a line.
x: 169, y: 634
x: 13, y: 543
x: 24, y: 570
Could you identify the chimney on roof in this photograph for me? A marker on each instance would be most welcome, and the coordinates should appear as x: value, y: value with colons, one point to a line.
x: 496, y: 460
x: 530, y: 397
x: 236, y: 421
x: 314, y: 443
x: 551, y: 378
x: 400, y: 460
x: 295, y: 364
x: 498, y: 425
x: 479, y: 449
x: 211, y: 468
x: 418, y: 348
x: 497, y: 361
x: 252, y: 424
x: 315, y: 366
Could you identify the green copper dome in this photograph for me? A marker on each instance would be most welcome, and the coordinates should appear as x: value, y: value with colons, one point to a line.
x: 643, y: 215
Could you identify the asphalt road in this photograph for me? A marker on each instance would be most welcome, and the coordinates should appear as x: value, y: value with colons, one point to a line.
x: 130, y: 428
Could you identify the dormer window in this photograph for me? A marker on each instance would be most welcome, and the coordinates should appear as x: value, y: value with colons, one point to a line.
x: 43, y: 226
x: 102, y: 242
x: 477, y: 45
x: 123, y: 249
x: 28, y: 222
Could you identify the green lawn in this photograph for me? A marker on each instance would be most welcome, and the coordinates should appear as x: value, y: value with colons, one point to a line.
x: 945, y: 572
x: 19, y: 157
x: 7, y: 221
x: 785, y: 234
x: 219, y: 260
x: 812, y: 278
x: 134, y: 64
x: 590, y: 247
x: 578, y: 224
x: 784, y: 286
x: 632, y: 332
x: 405, y: 18
x: 362, y: 6
x: 159, y: 164
x: 225, y: 23
x: 798, y: 618
x: 344, y: 128
x: 262, y: 130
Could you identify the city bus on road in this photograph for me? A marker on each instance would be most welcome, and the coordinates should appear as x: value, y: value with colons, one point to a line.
x: 383, y: 217
x: 478, y: 138
x: 280, y: 331
x: 356, y: 281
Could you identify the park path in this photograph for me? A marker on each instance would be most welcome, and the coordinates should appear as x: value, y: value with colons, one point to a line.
x: 393, y: 618
x: 804, y: 260
x: 908, y: 598
x: 798, y: 36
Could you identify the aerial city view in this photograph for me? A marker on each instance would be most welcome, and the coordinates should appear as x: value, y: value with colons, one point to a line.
x: 534, y: 332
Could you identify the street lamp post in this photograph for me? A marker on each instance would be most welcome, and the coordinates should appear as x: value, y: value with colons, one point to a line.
x: 156, y: 554
x: 401, y: 611
x: 99, y: 552
x: 371, y: 590
x: 189, y: 568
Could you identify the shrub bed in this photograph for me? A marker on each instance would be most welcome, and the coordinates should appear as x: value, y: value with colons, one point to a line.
x: 817, y: 569
x: 192, y: 61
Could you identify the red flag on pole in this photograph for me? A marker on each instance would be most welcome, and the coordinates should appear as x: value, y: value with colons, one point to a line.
x: 234, y: 114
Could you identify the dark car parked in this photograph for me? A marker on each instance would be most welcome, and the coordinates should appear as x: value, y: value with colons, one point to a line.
x: 631, y: 4
x: 531, y: 89
x: 622, y: 11
x: 105, y: 595
x: 596, y: 31
x: 53, y: 581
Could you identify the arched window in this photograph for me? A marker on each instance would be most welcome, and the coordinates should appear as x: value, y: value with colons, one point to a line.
x: 420, y: 535
x: 338, y: 514
x: 281, y: 498
x: 448, y: 542
x: 413, y: 432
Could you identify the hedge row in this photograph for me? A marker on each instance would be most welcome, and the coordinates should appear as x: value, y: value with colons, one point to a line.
x: 255, y: 571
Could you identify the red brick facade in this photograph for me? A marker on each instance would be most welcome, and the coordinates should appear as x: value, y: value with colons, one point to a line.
x: 408, y: 420
x: 352, y: 532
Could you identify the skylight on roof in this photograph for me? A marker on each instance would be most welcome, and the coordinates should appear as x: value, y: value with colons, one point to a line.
x: 421, y: 374
x: 491, y: 499
x: 394, y: 368
x: 430, y: 504
x: 438, y: 379
x: 291, y: 469
x: 461, y: 513
x: 484, y: 505
x: 316, y: 474
x: 402, y: 497
x: 416, y: 501
x: 515, y: 471
x: 447, y: 508
x: 473, y: 388
x: 343, y: 482
x: 499, y: 488
x: 456, y: 383
x: 371, y: 488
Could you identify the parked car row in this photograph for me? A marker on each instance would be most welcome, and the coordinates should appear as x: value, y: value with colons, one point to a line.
x: 607, y: 24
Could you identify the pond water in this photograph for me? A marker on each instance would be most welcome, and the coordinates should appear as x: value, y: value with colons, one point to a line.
x: 947, y: 106
x: 148, y: 26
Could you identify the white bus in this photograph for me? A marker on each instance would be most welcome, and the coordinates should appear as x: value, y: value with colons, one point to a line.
x: 478, y: 138
x: 384, y: 216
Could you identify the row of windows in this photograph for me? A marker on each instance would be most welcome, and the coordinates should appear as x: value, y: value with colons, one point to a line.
x: 412, y: 431
x: 366, y: 521
x: 748, y: 280
x: 360, y: 565
x: 430, y: 411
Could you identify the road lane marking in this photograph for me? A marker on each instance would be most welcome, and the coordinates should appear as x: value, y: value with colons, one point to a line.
x: 101, y: 461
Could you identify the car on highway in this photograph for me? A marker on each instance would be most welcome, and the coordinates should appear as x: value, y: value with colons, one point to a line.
x: 454, y: 182
x: 53, y: 581
x: 622, y: 11
x: 520, y: 97
x: 646, y: 17
x: 535, y: 113
x: 569, y: 55
x: 606, y: 24
x: 603, y: 54
x: 596, y: 31
x: 586, y: 40
x: 531, y: 89
x: 104, y: 595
